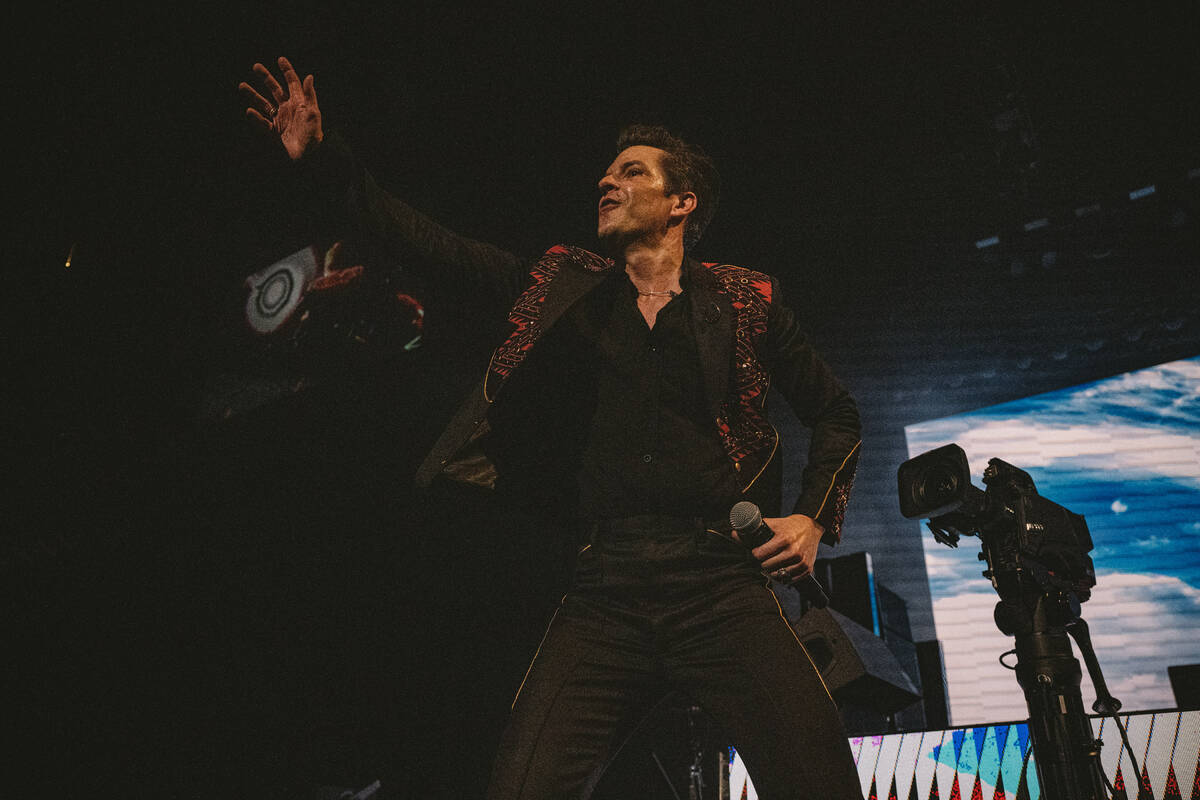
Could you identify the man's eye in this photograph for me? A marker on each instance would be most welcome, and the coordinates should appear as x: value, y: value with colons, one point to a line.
x: 634, y: 171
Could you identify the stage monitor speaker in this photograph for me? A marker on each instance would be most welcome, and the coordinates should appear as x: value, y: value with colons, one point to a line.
x: 933, y: 684
x: 856, y: 665
x: 1185, y: 683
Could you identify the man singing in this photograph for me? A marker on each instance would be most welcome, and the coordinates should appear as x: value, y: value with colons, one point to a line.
x: 632, y: 389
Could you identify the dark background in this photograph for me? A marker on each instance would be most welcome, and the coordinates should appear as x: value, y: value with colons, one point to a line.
x: 257, y: 606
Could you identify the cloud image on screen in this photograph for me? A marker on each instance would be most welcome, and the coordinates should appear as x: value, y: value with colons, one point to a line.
x: 1125, y: 453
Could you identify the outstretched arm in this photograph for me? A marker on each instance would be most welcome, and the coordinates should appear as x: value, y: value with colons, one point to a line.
x: 290, y: 111
x: 293, y: 115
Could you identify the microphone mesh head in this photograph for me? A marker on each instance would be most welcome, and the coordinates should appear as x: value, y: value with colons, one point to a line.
x: 744, y: 516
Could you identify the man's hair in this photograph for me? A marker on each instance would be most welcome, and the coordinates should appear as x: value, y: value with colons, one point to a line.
x: 687, y: 169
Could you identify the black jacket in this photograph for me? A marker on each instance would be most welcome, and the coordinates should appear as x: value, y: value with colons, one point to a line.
x: 747, y: 338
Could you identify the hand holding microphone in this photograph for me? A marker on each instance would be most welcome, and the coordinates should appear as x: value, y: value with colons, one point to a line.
x: 746, y: 520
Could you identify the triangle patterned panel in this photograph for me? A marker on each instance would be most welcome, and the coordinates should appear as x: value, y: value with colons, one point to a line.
x: 867, y: 760
x: 999, y: 793
x: 947, y: 759
x: 1110, y: 752
x: 1158, y: 758
x: 856, y: 743
x: 1138, y: 726
x: 1187, y: 752
x: 1012, y: 761
x: 926, y: 768
x: 989, y: 757
x: 967, y: 765
x: 907, y: 760
x: 885, y: 767
x: 926, y: 762
x: 1171, y: 792
x: 1118, y: 780
x: 1030, y: 787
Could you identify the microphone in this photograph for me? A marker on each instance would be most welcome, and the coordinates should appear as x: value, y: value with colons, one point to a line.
x: 746, y: 519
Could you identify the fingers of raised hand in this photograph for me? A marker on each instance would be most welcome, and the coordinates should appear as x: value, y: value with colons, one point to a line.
x: 290, y: 76
x: 258, y: 119
x: 272, y: 85
x: 260, y: 107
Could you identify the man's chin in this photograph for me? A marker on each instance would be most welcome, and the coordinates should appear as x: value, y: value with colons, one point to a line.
x: 608, y: 243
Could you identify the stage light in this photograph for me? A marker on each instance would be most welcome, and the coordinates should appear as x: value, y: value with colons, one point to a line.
x: 988, y: 242
x: 1145, y: 191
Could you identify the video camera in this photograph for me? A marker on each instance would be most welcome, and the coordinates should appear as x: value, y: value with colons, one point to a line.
x: 1038, y: 562
x: 1028, y: 541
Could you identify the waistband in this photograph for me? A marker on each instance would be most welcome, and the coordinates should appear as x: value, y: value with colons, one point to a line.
x: 655, y: 523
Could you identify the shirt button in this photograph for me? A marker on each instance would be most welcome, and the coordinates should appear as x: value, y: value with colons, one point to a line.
x: 653, y: 348
x: 647, y: 458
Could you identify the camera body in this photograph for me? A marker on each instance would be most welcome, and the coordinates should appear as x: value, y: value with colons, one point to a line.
x: 1029, y: 542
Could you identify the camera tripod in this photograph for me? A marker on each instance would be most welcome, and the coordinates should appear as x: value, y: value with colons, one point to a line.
x: 1068, y: 755
x: 1038, y: 562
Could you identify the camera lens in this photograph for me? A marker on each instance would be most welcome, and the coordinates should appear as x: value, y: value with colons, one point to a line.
x: 937, y: 486
x: 934, y: 483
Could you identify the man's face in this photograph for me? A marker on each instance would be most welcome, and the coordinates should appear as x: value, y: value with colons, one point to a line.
x: 633, y: 202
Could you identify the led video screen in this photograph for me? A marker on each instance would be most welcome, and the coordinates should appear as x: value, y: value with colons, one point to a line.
x: 999, y: 761
x: 1125, y: 453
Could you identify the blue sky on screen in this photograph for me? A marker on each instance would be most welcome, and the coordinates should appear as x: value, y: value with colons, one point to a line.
x: 1125, y: 453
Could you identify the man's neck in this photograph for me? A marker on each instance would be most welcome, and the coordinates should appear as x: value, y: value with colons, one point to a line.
x: 654, y: 269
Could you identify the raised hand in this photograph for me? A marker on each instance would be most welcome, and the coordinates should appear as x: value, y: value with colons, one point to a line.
x: 293, y: 115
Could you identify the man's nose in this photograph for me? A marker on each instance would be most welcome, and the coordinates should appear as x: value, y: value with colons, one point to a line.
x: 606, y: 183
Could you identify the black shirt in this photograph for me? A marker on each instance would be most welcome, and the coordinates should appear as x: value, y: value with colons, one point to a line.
x: 650, y: 446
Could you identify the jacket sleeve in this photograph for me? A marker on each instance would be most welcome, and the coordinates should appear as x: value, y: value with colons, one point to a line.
x: 821, y: 403
x: 428, y: 248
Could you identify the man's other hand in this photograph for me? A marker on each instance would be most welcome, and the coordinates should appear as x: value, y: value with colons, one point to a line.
x: 293, y: 115
x: 789, y: 555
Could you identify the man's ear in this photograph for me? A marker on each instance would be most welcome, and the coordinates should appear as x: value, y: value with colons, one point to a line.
x: 685, y: 203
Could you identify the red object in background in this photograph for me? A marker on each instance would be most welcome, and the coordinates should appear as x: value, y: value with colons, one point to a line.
x: 313, y: 308
x: 334, y: 279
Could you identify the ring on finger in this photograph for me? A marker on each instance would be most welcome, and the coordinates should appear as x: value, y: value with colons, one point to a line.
x: 780, y: 573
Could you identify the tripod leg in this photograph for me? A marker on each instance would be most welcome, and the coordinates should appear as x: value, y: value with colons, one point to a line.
x: 1066, y: 750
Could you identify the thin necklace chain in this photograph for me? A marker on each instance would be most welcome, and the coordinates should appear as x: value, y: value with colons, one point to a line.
x: 667, y: 293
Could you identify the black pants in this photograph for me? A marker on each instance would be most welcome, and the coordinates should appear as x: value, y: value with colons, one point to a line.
x: 660, y: 604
